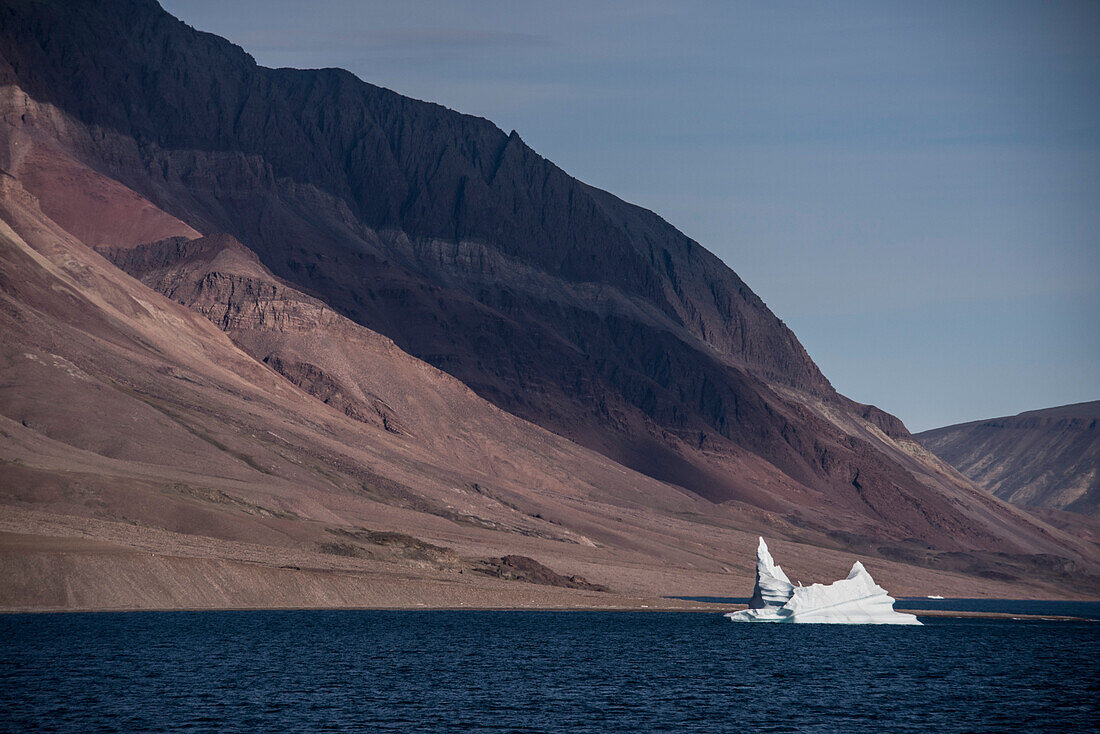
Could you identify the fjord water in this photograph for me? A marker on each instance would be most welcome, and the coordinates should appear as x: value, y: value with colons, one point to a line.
x: 538, y: 671
x: 1023, y: 607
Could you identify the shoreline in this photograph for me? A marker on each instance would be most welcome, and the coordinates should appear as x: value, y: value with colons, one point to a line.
x: 664, y: 608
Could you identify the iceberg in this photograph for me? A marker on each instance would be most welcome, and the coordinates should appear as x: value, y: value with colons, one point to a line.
x: 856, y: 599
x: 773, y: 588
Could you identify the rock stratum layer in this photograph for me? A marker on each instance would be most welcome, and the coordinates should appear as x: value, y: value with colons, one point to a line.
x: 310, y: 340
x: 1046, y: 459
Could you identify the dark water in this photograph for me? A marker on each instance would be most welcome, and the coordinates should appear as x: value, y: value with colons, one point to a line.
x: 539, y: 671
x: 1080, y: 609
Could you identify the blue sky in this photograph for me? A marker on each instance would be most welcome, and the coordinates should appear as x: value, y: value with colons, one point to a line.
x: 913, y: 187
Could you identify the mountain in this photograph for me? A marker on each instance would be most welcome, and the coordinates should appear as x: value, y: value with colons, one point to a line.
x: 289, y: 319
x: 257, y: 449
x: 554, y: 300
x: 1041, y: 459
x: 149, y: 461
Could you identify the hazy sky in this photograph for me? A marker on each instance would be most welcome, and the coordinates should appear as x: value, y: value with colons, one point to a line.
x: 913, y: 187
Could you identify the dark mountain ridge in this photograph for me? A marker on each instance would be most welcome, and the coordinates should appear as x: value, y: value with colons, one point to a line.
x: 396, y: 163
x: 556, y: 301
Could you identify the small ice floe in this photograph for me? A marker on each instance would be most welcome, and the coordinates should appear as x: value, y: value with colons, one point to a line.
x: 853, y: 600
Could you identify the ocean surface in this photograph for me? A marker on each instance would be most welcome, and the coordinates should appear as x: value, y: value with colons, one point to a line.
x: 1080, y: 609
x: 306, y: 671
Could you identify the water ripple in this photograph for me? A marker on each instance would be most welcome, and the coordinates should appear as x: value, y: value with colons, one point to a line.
x: 538, y: 671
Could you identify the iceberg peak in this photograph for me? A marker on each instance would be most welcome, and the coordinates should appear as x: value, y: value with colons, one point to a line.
x: 856, y: 599
x: 773, y: 588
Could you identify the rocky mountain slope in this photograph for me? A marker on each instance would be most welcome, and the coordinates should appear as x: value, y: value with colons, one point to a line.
x: 1042, y: 458
x: 554, y: 300
x: 147, y: 461
x: 271, y: 400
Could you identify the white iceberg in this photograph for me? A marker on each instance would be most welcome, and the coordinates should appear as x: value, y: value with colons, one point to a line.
x: 773, y: 588
x: 854, y: 600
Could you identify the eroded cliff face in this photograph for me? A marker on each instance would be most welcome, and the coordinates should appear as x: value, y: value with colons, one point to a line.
x: 295, y: 335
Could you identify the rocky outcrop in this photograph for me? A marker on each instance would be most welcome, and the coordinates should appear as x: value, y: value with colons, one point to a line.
x: 225, y: 282
x: 1047, y: 459
x: 522, y: 568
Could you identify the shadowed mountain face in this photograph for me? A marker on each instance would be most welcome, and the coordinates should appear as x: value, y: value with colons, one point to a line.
x: 339, y: 216
x: 556, y: 301
x: 1042, y: 458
